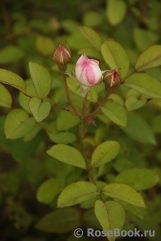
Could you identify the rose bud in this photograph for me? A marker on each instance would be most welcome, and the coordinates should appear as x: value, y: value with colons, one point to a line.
x: 88, y: 73
x: 112, y: 78
x: 62, y: 57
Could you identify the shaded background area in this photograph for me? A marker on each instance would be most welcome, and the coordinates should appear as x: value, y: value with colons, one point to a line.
x: 30, y: 31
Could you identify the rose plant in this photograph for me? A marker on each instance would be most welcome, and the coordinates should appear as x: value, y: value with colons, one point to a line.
x: 82, y: 164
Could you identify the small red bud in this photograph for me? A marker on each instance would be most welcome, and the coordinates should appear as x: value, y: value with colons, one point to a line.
x: 112, y: 78
x: 62, y: 57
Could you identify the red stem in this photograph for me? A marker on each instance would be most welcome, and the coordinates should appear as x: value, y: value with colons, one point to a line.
x: 68, y: 97
x: 102, y: 102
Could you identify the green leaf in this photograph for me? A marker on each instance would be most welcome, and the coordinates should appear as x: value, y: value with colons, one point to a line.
x: 32, y: 134
x: 156, y: 127
x: 39, y: 109
x: 90, y: 52
x: 68, y: 155
x: 150, y: 58
x: 111, y: 216
x: 45, y: 45
x: 5, y: 97
x: 76, y: 193
x: 47, y: 191
x: 125, y: 193
x: 24, y: 99
x: 17, y: 124
x: 66, y: 120
x: 89, y: 219
x: 62, y: 137
x: 139, y: 129
x: 115, y: 56
x: 92, y: 36
x: 69, y: 25
x: 132, y: 103
x: 75, y: 38
x: 60, y: 221
x: 41, y: 79
x: 144, y: 38
x: 137, y: 211
x: 105, y: 152
x: 116, y: 98
x: 115, y: 11
x: 24, y: 102
x: 11, y: 54
x: 122, y: 164
x: 156, y: 102
x: 20, y: 147
x: 10, y: 78
x: 145, y: 178
x: 145, y: 84
x: 92, y: 18
x: 115, y: 112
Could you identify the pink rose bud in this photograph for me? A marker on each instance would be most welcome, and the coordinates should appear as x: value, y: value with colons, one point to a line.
x: 112, y: 78
x: 87, y: 71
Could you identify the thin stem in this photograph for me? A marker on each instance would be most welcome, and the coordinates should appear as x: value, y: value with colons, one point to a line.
x: 84, y: 107
x: 68, y: 97
x: 44, y: 127
x: 61, y: 108
x: 102, y: 102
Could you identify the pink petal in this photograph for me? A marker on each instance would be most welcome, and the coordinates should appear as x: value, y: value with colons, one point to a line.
x: 90, y: 75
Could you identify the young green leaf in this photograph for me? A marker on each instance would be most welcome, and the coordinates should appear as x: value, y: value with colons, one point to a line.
x: 92, y: 36
x: 111, y: 215
x: 145, y: 84
x: 41, y: 79
x: 39, y: 109
x: 125, y: 193
x: 17, y: 124
x: 5, y: 97
x: 115, y: 11
x: 105, y: 152
x: 47, y: 191
x: 115, y: 56
x: 10, y: 78
x: 145, y: 178
x: 150, y: 58
x: 68, y: 155
x: 76, y: 193
x: 60, y: 221
x: 66, y: 120
x: 115, y: 112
